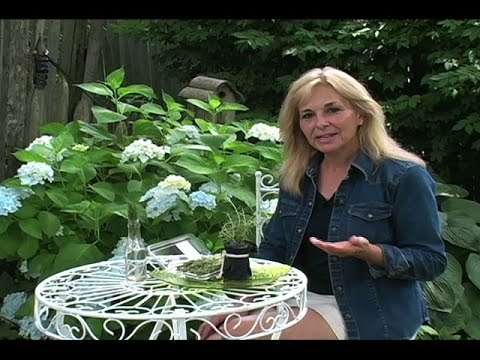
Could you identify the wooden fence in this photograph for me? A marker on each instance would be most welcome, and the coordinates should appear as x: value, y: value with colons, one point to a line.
x: 86, y: 50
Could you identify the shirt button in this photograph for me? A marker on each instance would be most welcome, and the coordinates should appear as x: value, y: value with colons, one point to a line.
x: 299, y: 230
x: 334, y: 229
x: 340, y: 202
x: 370, y: 216
x: 348, y: 316
x: 339, y: 287
x: 310, y: 203
x: 334, y: 258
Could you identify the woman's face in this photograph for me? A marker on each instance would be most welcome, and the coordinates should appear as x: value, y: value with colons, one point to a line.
x: 329, y: 122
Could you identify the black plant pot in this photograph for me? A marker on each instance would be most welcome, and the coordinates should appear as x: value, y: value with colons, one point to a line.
x: 236, y: 262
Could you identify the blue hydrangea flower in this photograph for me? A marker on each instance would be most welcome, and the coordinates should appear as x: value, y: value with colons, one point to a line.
x: 160, y: 200
x: 28, y: 329
x: 9, y: 200
x: 200, y: 198
x: 11, y: 303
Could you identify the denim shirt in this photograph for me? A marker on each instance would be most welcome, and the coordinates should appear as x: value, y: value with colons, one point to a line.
x: 393, y: 205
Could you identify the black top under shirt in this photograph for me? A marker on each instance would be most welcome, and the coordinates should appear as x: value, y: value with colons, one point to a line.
x: 310, y: 259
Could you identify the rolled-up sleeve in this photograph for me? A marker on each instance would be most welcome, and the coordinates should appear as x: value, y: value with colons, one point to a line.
x: 418, y: 250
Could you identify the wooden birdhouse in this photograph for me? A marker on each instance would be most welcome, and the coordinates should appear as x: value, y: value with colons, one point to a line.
x: 201, y: 87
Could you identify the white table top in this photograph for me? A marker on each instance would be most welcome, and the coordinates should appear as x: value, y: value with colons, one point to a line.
x: 95, y: 301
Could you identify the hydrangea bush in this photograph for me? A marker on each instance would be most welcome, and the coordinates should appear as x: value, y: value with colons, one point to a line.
x: 67, y: 205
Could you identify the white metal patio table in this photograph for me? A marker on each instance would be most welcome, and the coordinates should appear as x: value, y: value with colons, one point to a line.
x: 86, y: 301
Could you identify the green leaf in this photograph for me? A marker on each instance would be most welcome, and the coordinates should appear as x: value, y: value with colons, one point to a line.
x: 196, y: 164
x: 58, y: 197
x: 115, y: 209
x: 150, y: 108
x: 29, y: 155
x: 226, y: 106
x: 87, y: 173
x: 445, y: 292
x: 4, y: 223
x: 241, y: 162
x: 104, y: 116
x: 187, y: 149
x: 40, y: 262
x: 215, y: 142
x: 214, y: 101
x: 96, y: 131
x: 240, y: 147
x: 134, y: 186
x: 145, y: 127
x: 77, y: 208
x: 53, y: 128
x: 72, y: 255
x: 144, y: 90
x: 31, y: 227
x: 472, y: 324
x: 205, y: 126
x: 449, y: 323
x: 129, y: 168
x: 26, y: 212
x: 104, y: 189
x: 124, y: 108
x: 270, y: 152
x: 466, y: 236
x: 96, y: 88
x: 115, y: 78
x: 472, y: 268
x: 450, y: 190
x: 28, y: 247
x: 242, y: 194
x: 50, y: 223
x: 62, y: 141
x: 10, y: 241
x: 70, y: 166
x: 202, y: 105
x: 469, y: 206
x: 469, y: 129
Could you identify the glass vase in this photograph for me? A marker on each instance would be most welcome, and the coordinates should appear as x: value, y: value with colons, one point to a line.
x: 135, y: 249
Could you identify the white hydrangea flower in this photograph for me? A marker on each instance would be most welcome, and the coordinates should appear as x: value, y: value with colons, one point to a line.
x: 35, y: 172
x: 180, y: 133
x: 46, y: 140
x: 143, y: 150
x: 24, y: 267
x: 264, y: 132
x: 59, y: 231
x: 191, y: 131
x: 175, y: 182
x: 119, y: 251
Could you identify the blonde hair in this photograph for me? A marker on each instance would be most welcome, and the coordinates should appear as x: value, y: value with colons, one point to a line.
x: 373, y: 136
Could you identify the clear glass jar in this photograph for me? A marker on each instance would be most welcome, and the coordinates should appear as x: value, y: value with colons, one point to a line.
x: 135, y: 249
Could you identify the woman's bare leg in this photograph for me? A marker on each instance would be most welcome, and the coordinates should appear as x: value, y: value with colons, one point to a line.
x: 312, y: 327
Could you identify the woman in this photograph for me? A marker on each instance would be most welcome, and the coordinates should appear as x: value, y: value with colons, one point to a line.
x: 356, y: 213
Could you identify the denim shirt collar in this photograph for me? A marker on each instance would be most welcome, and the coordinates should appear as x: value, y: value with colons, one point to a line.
x: 362, y: 163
